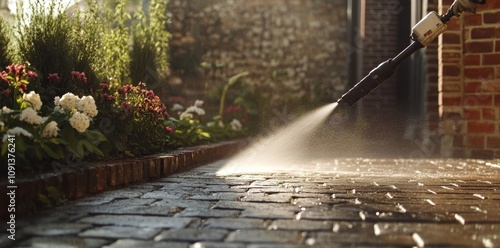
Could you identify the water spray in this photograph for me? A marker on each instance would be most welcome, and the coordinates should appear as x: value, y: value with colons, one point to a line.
x: 423, y: 33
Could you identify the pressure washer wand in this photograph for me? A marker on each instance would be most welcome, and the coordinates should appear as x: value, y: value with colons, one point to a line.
x: 423, y: 33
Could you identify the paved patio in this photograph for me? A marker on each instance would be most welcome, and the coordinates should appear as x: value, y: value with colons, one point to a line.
x: 326, y: 203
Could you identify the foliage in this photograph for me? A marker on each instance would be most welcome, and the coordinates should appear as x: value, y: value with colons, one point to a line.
x: 149, y: 53
x: 5, y: 44
x: 133, y: 119
x: 64, y: 133
x: 46, y: 41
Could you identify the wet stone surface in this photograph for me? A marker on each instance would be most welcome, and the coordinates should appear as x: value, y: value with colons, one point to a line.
x: 329, y: 203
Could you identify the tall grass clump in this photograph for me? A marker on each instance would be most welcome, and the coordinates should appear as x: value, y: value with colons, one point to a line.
x: 46, y: 42
x: 5, y: 44
x: 149, y: 53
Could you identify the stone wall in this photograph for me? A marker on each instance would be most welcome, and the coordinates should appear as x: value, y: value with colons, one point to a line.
x: 295, y: 50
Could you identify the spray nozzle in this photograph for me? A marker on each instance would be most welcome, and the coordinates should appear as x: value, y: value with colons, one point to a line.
x: 460, y: 6
x: 429, y: 28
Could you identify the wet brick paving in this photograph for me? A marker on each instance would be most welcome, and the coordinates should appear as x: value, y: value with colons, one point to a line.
x: 329, y: 203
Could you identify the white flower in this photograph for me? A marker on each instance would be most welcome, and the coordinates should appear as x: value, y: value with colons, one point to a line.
x: 186, y: 115
x: 198, y: 103
x: 195, y: 109
x: 50, y: 130
x: 87, y: 106
x: 236, y: 125
x: 30, y: 116
x: 2, y: 124
x: 6, y: 110
x: 58, y: 109
x: 34, y: 99
x: 69, y: 101
x: 17, y: 131
x: 79, y: 121
x: 177, y: 107
x: 56, y: 100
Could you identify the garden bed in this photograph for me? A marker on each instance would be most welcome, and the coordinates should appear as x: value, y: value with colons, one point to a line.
x: 72, y: 183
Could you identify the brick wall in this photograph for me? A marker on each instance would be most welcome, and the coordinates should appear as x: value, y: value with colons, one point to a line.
x: 469, y: 83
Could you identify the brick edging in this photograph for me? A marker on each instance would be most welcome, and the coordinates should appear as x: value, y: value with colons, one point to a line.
x: 76, y: 183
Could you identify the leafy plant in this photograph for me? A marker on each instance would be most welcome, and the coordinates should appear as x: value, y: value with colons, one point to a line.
x: 64, y: 132
x: 133, y: 119
x: 5, y: 44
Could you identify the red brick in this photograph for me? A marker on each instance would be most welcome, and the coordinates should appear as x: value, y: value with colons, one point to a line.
x: 493, y: 142
x: 479, y: 73
x: 483, y: 33
x: 473, y: 20
x: 480, y: 127
x: 479, y: 47
x: 451, y: 70
x: 472, y: 114
x: 491, y: 87
x: 472, y: 59
x: 454, y: 24
x: 451, y: 38
x: 497, y: 100
x: 474, y: 141
x: 478, y: 100
x: 452, y: 101
x: 490, y: 4
x: 473, y: 87
x: 497, y: 46
x: 489, y: 114
x: 491, y: 59
x: 491, y: 17
x: 452, y: 87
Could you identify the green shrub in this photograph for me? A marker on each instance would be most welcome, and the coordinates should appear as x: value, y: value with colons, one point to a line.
x: 5, y: 46
x: 149, y: 53
x: 46, y: 41
x: 132, y: 119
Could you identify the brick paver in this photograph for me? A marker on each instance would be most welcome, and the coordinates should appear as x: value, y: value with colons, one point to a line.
x: 328, y: 203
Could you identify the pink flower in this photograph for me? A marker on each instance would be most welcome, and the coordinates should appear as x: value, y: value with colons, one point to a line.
x: 6, y: 92
x: 79, y: 77
x: 169, y: 129
x: 104, y: 86
x: 126, y: 106
x: 54, y: 77
x: 32, y: 74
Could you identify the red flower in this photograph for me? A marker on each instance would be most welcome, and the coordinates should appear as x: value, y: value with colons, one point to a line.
x: 3, y: 77
x: 79, y: 77
x: 32, y: 74
x: 108, y: 97
x: 6, y: 92
x: 104, y: 86
x: 54, y: 78
x: 169, y: 129
x: 126, y: 106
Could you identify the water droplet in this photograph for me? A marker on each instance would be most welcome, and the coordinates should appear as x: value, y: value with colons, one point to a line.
x: 376, y: 184
x: 297, y: 189
x: 376, y: 230
x: 357, y: 201
x: 388, y: 195
x: 362, y: 215
x: 353, y: 191
x: 460, y: 219
x: 446, y: 187
x: 298, y: 216
x: 420, y: 242
x: 310, y: 241
x: 333, y: 196
x: 454, y: 184
x: 488, y: 243
x: 432, y: 191
x: 430, y: 202
x: 479, y: 196
x: 394, y: 187
x: 401, y: 208
x: 420, y: 184
x: 336, y: 228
